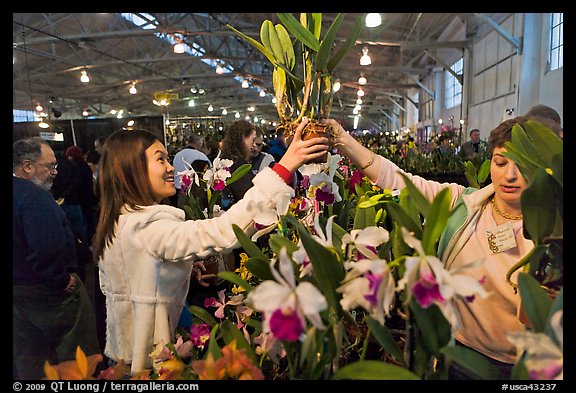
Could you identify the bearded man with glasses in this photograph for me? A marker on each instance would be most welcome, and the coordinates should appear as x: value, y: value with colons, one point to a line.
x: 51, y: 312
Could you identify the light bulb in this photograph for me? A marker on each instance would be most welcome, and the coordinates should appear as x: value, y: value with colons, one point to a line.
x: 365, y: 59
x: 132, y: 89
x: 336, y: 86
x: 262, y: 93
x: 373, y: 20
x: 360, y: 93
x: 219, y: 69
x: 210, y: 108
x: 84, y: 77
x: 245, y: 84
x: 362, y: 80
x: 179, y: 46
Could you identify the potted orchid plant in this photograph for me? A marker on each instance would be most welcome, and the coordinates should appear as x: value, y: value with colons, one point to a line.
x: 303, y: 67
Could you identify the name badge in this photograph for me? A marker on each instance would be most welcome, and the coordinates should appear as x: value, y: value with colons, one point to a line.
x: 501, y: 238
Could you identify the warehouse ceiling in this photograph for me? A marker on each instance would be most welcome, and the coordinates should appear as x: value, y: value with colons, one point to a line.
x: 118, y: 50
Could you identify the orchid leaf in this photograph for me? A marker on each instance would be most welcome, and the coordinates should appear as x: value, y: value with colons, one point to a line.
x: 535, y: 300
x: 374, y: 370
x: 350, y: 42
x: 269, y: 55
x: 436, y: 220
x: 472, y: 361
x: 251, y: 249
x: 260, y: 268
x: 231, y: 332
x: 327, y: 43
x: 297, y: 30
x: 327, y: 270
x: 539, y: 214
x: 238, y: 173
x: 419, y: 199
x: 385, y: 339
x: 213, y: 347
x: 203, y: 315
x: 236, y: 280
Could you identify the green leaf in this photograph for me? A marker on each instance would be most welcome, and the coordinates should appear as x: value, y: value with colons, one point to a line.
x: 372, y: 369
x: 471, y: 175
x: 213, y: 347
x: 484, y: 171
x: 403, y: 219
x: 300, y: 32
x: 269, y: 55
x: 231, y: 332
x: 326, y: 44
x: 204, y: 315
x: 327, y: 270
x: 277, y: 242
x: 436, y: 220
x: 260, y: 268
x: 472, y: 361
x: 421, y: 202
x: 385, y: 339
x: 535, y: 300
x: 248, y: 245
x: 350, y: 42
x: 238, y: 173
x: 434, y: 328
x: 539, y: 213
x: 364, y: 217
x: 236, y: 280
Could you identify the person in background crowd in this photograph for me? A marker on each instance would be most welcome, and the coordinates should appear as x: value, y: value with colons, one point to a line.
x: 192, y: 152
x: 277, y: 146
x: 51, y: 311
x: 146, y: 250
x: 259, y: 158
x: 476, y: 212
x: 474, y: 147
x: 237, y: 146
x: 66, y: 189
x: 86, y: 195
x: 548, y: 116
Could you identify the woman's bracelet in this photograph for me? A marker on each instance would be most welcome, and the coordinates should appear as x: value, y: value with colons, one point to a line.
x: 369, y: 162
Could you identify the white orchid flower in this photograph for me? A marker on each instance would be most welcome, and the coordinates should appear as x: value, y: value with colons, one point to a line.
x: 369, y: 284
x: 216, y: 176
x: 267, y: 219
x: 300, y: 256
x: 320, y: 237
x: 430, y: 283
x: 544, y: 356
x: 365, y: 241
x: 285, y: 305
x: 189, y: 173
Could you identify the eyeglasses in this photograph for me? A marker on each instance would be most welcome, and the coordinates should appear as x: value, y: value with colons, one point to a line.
x: 50, y: 167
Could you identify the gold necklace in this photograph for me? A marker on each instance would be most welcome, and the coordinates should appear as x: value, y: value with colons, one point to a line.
x: 505, y: 215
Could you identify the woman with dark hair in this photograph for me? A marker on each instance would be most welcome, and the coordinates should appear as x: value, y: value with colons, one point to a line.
x: 146, y: 250
x: 476, y: 214
x: 237, y: 146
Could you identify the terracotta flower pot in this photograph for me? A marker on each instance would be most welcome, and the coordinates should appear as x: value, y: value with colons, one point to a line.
x: 318, y: 130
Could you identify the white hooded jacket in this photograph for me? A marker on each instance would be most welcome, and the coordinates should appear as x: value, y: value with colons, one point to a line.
x: 145, y: 273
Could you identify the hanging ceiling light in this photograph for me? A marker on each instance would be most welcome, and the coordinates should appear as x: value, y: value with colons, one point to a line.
x: 132, y: 89
x: 179, y: 46
x: 219, y: 69
x: 360, y: 93
x: 210, y: 108
x: 84, y: 78
x: 373, y: 20
x: 362, y: 80
x: 365, y: 59
x: 245, y: 84
x: 336, y: 86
